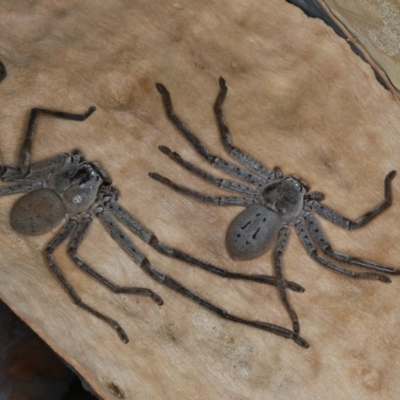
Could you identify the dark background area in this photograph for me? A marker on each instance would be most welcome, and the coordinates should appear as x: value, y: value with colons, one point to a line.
x: 29, y: 368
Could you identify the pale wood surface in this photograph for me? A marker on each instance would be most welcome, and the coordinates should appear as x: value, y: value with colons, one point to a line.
x: 298, y: 98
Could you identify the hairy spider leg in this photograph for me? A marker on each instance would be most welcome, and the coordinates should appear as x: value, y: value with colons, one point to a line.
x: 40, y: 169
x: 220, y: 200
x: 20, y: 188
x: 308, y: 244
x: 333, y: 216
x: 65, y: 231
x: 79, y: 234
x: 319, y: 237
x: 35, y: 112
x: 244, y: 159
x: 314, y: 196
x: 147, y: 236
x: 78, y: 231
x: 221, y: 183
x: 279, y: 248
x: 217, y: 162
x: 123, y: 240
x: 200, y: 147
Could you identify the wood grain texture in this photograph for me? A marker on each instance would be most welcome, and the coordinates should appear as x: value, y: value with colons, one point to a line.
x: 298, y: 98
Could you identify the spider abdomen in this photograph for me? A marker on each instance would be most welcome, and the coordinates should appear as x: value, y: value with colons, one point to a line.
x: 37, y: 212
x: 252, y: 232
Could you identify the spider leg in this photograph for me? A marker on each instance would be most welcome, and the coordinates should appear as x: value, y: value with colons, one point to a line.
x: 331, y: 215
x: 122, y: 239
x: 234, y: 152
x: 147, y: 236
x: 220, y: 201
x: 217, y: 162
x: 308, y: 244
x: 77, y: 238
x: 222, y: 183
x: 25, y: 187
x: 38, y: 169
x: 35, y: 112
x: 277, y: 173
x: 319, y: 196
x: 283, y: 237
x: 66, y: 231
x: 319, y: 237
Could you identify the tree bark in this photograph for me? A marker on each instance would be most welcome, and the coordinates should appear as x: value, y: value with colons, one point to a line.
x: 298, y: 98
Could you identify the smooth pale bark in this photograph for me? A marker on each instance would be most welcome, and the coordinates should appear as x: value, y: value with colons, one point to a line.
x: 298, y: 98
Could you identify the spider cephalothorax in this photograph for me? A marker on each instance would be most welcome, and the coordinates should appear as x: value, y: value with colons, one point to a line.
x: 273, y: 204
x: 66, y: 189
x: 284, y: 196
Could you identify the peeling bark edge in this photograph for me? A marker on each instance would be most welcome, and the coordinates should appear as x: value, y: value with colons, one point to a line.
x: 3, y: 71
x: 84, y: 382
x: 319, y: 9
